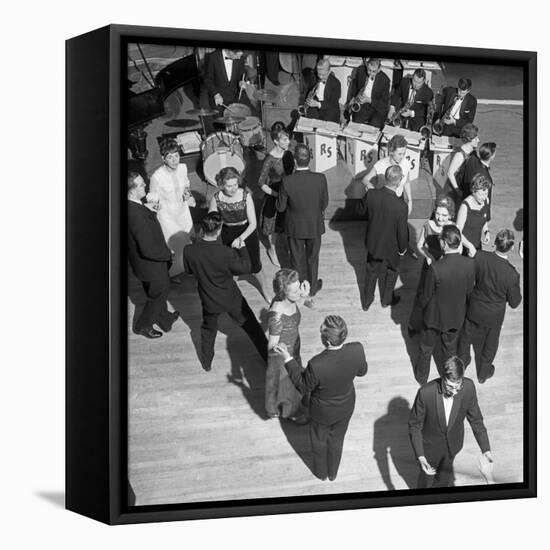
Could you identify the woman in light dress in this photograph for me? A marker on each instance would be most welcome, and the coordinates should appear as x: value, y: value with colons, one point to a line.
x: 171, y: 184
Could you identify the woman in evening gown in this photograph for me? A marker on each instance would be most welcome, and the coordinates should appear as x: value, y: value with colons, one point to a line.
x: 282, y: 399
x: 171, y: 184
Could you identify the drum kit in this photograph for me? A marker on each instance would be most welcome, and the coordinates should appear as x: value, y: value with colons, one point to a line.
x: 225, y: 148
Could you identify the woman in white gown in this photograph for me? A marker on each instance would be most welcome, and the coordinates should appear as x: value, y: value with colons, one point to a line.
x: 171, y: 184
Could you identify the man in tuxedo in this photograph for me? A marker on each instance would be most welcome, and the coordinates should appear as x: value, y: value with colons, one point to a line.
x: 224, y: 76
x: 457, y: 108
x: 371, y: 87
x: 436, y: 424
x: 323, y: 99
x: 386, y: 239
x: 412, y: 91
x: 444, y: 297
x: 214, y: 265
x: 329, y: 377
x: 496, y: 283
x: 303, y: 196
x: 150, y: 259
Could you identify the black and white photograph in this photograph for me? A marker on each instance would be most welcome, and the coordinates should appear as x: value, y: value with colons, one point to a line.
x: 325, y: 273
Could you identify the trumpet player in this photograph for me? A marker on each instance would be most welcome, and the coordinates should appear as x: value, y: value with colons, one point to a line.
x: 410, y: 101
x: 458, y: 108
x: 322, y: 100
x: 369, y: 91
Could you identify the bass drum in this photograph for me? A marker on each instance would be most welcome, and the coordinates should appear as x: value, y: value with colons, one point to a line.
x: 218, y: 151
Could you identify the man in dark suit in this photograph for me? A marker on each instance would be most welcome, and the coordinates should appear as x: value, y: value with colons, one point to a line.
x: 436, y: 424
x: 414, y: 92
x: 303, y: 196
x: 371, y: 88
x: 224, y: 76
x: 444, y: 298
x: 329, y: 377
x: 497, y: 283
x: 150, y: 259
x: 214, y: 266
x: 323, y: 99
x: 457, y: 107
x: 386, y: 239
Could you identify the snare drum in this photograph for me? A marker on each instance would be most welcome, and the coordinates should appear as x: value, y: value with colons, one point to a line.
x: 250, y: 132
x: 218, y: 151
x: 237, y: 109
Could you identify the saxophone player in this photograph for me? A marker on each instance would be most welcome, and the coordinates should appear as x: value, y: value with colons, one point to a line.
x: 414, y: 93
x: 369, y: 90
x: 322, y: 100
x: 458, y: 108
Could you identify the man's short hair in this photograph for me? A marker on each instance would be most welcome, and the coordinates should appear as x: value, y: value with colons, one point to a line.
x: 302, y: 155
x: 211, y: 223
x: 334, y: 330
x: 374, y: 61
x: 393, y: 176
x: 464, y: 83
x: 453, y: 369
x: 324, y: 62
x: 487, y: 150
x: 132, y: 176
x: 420, y: 73
x: 451, y: 236
x: 469, y: 132
x: 504, y: 240
x: 396, y: 142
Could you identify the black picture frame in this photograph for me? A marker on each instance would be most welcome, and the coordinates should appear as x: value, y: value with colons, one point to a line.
x: 96, y: 350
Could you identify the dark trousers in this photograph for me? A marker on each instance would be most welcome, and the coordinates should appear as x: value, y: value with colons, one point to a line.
x: 485, y: 341
x: 304, y: 258
x: 245, y: 318
x: 429, y: 337
x: 155, y: 310
x: 369, y: 115
x: 443, y: 463
x: 327, y: 443
x: 385, y: 274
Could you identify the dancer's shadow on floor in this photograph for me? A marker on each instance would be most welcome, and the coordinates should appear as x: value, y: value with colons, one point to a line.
x: 298, y: 437
x: 352, y: 234
x: 247, y: 367
x: 391, y: 441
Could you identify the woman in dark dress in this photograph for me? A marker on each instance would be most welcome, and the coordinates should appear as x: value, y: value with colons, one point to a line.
x: 271, y: 176
x: 430, y: 248
x: 282, y: 399
x: 236, y: 207
x: 473, y: 216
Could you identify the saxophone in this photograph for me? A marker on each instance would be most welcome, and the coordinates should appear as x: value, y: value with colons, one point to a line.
x: 355, y: 104
x: 438, y: 125
x: 396, y: 119
x: 302, y: 109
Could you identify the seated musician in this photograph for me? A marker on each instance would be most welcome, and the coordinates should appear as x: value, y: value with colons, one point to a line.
x: 322, y: 100
x: 225, y: 76
x: 458, y: 107
x: 411, y: 100
x: 370, y: 90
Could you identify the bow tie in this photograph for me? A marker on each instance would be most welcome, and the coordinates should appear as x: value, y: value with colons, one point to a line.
x: 230, y: 58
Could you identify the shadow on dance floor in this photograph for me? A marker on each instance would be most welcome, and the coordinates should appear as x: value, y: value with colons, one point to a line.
x: 391, y: 441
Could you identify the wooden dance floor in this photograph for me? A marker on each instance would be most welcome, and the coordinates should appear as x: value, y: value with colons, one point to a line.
x: 197, y: 436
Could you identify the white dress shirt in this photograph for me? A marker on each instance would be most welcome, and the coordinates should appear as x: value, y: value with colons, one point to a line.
x: 228, y: 65
x: 448, y: 404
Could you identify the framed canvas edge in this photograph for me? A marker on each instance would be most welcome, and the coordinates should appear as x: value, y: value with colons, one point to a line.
x: 117, y: 512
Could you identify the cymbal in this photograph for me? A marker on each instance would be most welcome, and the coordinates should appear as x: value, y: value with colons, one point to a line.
x: 202, y: 112
x: 264, y: 95
x: 229, y: 119
x: 182, y: 122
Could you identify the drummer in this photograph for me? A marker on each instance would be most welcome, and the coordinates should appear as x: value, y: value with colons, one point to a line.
x: 225, y: 78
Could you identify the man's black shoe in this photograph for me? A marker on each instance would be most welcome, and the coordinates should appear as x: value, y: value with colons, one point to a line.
x: 395, y: 300
x: 149, y: 332
x: 318, y: 287
x: 173, y: 317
